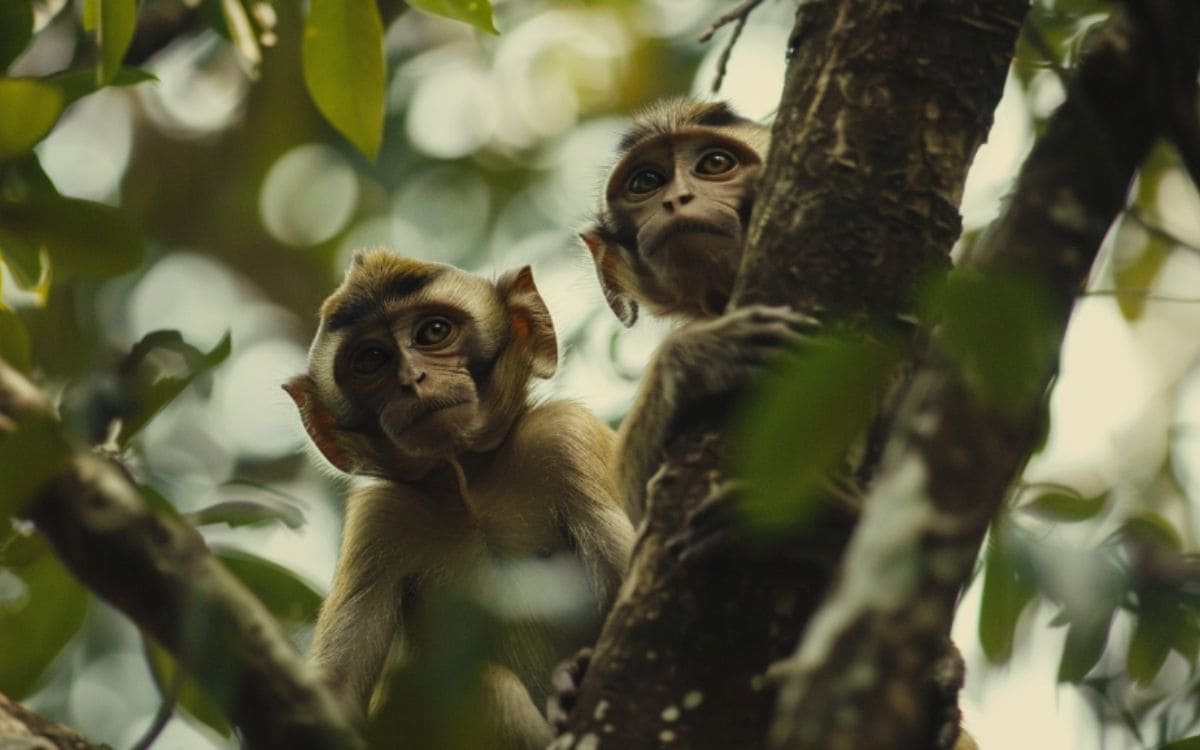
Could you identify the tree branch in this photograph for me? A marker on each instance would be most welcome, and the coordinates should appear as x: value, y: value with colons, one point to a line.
x: 855, y: 680
x: 22, y: 728
x: 160, y: 573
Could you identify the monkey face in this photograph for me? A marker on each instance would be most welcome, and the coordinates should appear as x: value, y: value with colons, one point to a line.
x: 686, y: 199
x: 418, y: 362
x: 419, y: 372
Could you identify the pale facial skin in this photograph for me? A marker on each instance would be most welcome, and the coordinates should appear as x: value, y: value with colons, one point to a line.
x: 686, y: 195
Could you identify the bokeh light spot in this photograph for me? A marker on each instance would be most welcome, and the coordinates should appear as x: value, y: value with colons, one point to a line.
x: 308, y: 195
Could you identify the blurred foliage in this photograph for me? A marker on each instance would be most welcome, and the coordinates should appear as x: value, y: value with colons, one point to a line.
x: 50, y: 603
x: 1000, y: 330
x: 152, y: 375
x: 433, y: 699
x: 799, y: 421
x: 176, y: 686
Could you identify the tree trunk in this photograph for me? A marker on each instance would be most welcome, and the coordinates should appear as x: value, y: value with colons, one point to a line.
x: 954, y: 453
x: 883, y: 109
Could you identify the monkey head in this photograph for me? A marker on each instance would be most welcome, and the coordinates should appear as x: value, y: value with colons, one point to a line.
x: 675, y: 209
x: 416, y: 362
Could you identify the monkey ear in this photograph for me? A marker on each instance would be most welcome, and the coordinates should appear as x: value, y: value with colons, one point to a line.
x: 530, y: 319
x: 318, y: 422
x: 622, y: 304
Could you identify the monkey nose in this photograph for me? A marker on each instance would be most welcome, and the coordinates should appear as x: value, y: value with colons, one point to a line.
x: 408, y: 375
x: 679, y: 200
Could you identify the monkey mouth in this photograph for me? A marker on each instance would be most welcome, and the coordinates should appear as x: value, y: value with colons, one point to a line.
x: 417, y: 413
x: 682, y: 227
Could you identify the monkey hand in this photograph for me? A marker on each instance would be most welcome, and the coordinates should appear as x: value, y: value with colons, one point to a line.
x: 703, y: 360
x: 714, y: 357
x: 711, y: 527
x: 564, y: 684
x: 717, y: 527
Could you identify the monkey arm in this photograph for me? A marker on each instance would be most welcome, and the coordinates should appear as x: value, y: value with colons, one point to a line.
x: 361, y: 615
x: 702, y: 360
x: 581, y: 448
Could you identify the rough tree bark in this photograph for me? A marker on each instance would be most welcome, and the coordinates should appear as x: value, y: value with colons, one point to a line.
x: 883, y: 108
x: 22, y: 729
x: 949, y: 464
x: 160, y: 573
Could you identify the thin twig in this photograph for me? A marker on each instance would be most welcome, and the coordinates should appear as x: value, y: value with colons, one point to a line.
x: 1143, y: 294
x: 739, y: 14
x: 166, y: 710
x: 1157, y: 231
x: 723, y: 60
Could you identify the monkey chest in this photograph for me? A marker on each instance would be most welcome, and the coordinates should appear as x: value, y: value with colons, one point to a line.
x: 522, y: 533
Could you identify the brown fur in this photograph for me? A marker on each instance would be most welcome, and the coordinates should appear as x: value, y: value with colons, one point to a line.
x: 445, y: 496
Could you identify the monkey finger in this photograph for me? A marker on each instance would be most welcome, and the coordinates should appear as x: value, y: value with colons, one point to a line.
x: 565, y: 680
x: 712, y: 527
x: 785, y: 315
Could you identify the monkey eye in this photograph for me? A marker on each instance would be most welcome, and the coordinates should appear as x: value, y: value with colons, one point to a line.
x: 716, y: 161
x: 432, y: 331
x: 646, y: 181
x: 369, y: 359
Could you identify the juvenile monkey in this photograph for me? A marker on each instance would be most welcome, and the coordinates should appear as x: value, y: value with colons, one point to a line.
x: 669, y: 235
x: 418, y: 385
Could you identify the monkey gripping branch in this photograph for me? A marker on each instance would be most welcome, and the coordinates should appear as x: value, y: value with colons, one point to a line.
x: 884, y: 106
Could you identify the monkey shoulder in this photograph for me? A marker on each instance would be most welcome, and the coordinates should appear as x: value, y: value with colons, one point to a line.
x: 564, y: 436
x: 559, y: 454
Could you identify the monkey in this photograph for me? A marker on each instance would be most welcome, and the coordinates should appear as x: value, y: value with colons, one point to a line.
x: 669, y: 236
x: 418, y: 387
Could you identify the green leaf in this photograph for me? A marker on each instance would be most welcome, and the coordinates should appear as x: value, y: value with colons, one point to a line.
x: 159, y: 368
x: 158, y: 502
x: 1086, y: 639
x: 30, y: 110
x: 36, y: 626
x: 24, y: 180
x: 76, y: 84
x: 798, y: 422
x: 477, y: 13
x: 433, y: 699
x: 112, y: 21
x: 1148, y: 527
x: 80, y: 237
x: 235, y: 513
x: 1190, y: 743
x: 1008, y: 587
x: 16, y: 29
x: 1065, y: 504
x: 1158, y: 620
x: 1137, y: 276
x: 1000, y: 330
x: 22, y: 258
x: 30, y: 456
x: 190, y: 697
x: 344, y: 68
x: 283, y: 593
x: 14, y: 341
